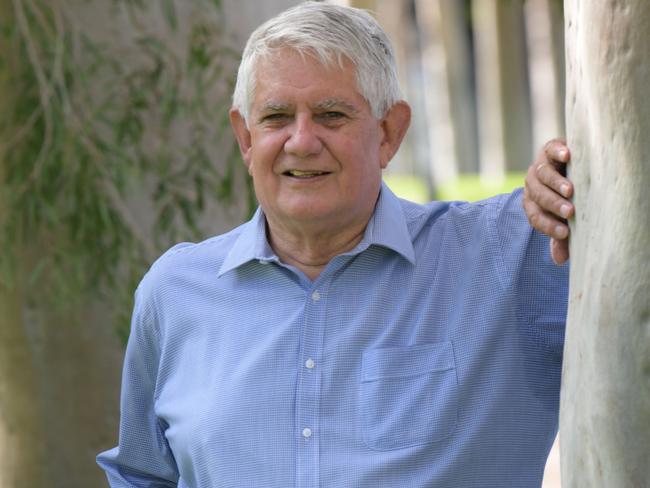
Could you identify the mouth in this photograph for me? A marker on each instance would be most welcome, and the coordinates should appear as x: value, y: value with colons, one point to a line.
x: 296, y: 173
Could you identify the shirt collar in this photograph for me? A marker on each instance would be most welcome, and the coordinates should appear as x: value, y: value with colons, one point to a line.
x: 387, y: 228
x: 250, y: 245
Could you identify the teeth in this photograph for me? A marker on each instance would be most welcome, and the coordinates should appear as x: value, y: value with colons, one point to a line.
x: 303, y: 174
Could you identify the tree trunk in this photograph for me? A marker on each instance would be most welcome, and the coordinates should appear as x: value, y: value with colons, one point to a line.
x: 605, y: 405
x: 502, y: 85
x: 20, y: 420
x: 22, y: 453
x: 397, y: 19
x: 544, y: 20
x: 449, y: 100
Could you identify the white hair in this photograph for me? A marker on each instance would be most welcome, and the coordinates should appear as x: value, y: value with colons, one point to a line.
x: 330, y: 33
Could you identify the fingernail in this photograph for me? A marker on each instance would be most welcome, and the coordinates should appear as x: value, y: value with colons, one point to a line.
x: 564, y: 190
x: 563, y: 153
x: 560, y: 232
x: 564, y: 210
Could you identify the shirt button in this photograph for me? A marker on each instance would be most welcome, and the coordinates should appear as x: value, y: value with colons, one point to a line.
x: 262, y: 261
x: 315, y: 296
x: 309, y: 364
x: 306, y: 432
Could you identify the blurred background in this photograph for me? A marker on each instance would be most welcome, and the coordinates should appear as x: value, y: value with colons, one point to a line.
x: 114, y: 145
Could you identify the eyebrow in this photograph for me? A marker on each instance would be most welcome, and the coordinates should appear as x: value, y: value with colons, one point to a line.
x: 323, y: 105
x: 272, y: 106
x: 331, y: 103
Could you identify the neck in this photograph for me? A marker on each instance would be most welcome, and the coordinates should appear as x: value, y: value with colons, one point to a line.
x: 311, y: 251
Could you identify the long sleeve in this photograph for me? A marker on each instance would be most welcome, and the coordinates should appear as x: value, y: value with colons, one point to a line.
x: 143, y: 457
x: 539, y: 285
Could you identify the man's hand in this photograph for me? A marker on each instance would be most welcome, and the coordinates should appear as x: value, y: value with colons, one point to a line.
x: 546, y: 197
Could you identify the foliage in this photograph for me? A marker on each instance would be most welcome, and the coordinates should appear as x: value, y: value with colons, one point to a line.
x: 97, y: 126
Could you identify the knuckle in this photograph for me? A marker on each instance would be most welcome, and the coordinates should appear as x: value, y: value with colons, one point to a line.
x: 534, y: 219
x: 553, y: 147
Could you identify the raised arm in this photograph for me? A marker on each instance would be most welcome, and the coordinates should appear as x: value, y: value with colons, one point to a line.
x: 547, y: 196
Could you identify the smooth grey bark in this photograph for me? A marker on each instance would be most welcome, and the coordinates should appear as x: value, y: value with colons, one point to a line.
x: 605, y: 401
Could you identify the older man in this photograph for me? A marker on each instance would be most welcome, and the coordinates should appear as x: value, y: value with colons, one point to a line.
x: 342, y: 337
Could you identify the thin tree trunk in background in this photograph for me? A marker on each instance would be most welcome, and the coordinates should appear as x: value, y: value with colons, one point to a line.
x: 503, y: 100
x: 454, y: 15
x: 22, y: 451
x: 442, y: 146
x: 451, y: 112
x: 397, y: 18
x: 605, y: 401
x: 546, y: 68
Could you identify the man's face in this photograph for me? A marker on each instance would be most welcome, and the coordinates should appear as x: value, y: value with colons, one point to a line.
x: 312, y: 146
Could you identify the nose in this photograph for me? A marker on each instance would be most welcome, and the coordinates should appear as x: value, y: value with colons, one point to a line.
x: 303, y: 140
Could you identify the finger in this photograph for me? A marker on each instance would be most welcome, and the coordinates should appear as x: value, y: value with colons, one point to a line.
x: 557, y: 150
x: 545, y: 222
x: 548, y: 174
x: 560, y: 250
x: 546, y: 198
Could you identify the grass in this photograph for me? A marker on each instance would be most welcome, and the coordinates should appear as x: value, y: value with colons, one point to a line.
x: 468, y: 187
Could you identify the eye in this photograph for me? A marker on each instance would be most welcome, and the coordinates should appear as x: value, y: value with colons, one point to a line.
x: 332, y: 115
x: 274, y: 117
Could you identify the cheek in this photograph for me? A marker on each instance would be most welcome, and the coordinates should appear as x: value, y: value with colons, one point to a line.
x: 364, y: 159
x: 265, y: 150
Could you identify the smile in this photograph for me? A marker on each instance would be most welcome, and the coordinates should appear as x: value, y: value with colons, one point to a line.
x: 296, y: 173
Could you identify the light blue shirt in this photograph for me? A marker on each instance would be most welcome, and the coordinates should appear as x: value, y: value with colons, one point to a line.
x: 428, y: 356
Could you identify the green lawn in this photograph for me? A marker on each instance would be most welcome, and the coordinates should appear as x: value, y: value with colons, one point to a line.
x: 468, y: 187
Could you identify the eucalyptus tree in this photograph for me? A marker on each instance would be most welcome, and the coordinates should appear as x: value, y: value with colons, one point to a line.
x: 605, y: 401
x: 114, y: 143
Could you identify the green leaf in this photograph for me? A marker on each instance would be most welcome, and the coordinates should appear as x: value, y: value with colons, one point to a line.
x: 169, y: 12
x: 37, y: 271
x: 110, y: 115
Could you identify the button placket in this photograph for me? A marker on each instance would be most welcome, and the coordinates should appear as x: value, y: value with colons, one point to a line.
x: 308, y: 390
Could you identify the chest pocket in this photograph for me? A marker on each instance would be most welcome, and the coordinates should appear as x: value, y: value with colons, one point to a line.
x: 409, y: 395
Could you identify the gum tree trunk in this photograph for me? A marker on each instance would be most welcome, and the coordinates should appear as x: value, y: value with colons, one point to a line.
x: 605, y: 405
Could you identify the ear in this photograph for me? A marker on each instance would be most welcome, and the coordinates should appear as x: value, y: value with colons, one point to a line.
x: 242, y: 134
x: 394, y: 124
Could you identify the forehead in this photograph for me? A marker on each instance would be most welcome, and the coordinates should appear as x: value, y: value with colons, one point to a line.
x: 288, y: 76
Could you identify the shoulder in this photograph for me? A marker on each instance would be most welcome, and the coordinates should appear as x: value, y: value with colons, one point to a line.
x: 186, y: 262
x: 465, y: 216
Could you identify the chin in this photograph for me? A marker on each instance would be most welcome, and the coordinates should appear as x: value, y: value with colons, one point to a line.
x: 308, y: 215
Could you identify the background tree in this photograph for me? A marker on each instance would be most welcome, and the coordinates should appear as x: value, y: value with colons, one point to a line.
x: 114, y: 144
x: 605, y: 405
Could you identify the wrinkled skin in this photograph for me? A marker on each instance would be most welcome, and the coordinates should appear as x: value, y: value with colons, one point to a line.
x: 547, y: 195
